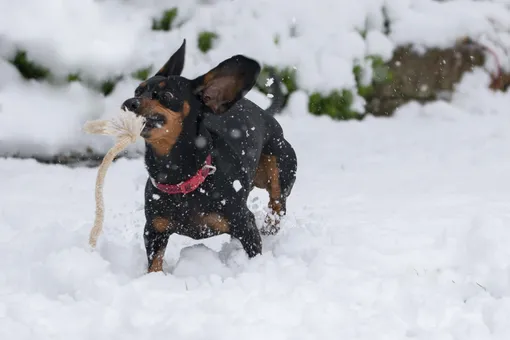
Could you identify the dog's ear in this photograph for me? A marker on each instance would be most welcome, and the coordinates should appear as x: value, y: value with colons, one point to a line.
x: 224, y: 85
x: 175, y: 64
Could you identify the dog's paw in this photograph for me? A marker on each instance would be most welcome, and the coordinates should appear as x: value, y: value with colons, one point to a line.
x: 271, y: 224
x: 268, y: 231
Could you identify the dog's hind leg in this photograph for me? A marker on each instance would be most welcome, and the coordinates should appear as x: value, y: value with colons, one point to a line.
x: 276, y: 173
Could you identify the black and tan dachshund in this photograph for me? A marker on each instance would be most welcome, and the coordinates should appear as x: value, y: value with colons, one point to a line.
x: 207, y: 147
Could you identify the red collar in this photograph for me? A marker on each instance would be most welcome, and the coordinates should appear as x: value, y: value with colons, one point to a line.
x: 189, y: 185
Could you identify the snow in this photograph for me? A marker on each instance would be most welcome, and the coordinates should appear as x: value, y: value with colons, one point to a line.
x: 397, y: 229
x: 452, y: 20
x: 237, y: 185
x: 104, y: 39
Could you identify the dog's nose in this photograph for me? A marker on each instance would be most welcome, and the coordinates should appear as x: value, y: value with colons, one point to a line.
x: 131, y: 104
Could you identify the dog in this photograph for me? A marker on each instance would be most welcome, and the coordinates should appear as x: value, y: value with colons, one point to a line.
x: 206, y: 148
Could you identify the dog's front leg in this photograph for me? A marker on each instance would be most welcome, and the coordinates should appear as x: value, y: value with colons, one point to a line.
x: 156, y: 234
x: 245, y: 230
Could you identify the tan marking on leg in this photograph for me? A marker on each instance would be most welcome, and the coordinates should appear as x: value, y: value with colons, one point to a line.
x: 261, y: 177
x: 157, y: 263
x: 275, y: 191
x: 267, y: 177
x: 161, y: 224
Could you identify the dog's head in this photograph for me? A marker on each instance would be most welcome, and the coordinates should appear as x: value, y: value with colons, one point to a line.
x: 168, y: 101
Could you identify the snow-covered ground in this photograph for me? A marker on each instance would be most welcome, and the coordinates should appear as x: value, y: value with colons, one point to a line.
x: 397, y: 229
x: 322, y: 39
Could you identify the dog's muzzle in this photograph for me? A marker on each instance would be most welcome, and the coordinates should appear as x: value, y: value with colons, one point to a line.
x: 131, y: 104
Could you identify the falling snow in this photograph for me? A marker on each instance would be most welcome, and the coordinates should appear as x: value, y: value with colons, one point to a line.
x: 237, y: 185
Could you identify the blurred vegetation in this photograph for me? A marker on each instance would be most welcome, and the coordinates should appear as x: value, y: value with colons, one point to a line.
x: 107, y: 87
x: 206, y: 40
x: 28, y: 68
x: 373, y: 76
x: 336, y: 104
x: 380, y: 74
x: 165, y: 22
x: 31, y: 70
x: 73, y: 77
x: 142, y: 74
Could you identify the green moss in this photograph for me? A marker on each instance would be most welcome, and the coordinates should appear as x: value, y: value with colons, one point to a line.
x: 73, y: 77
x: 28, y: 68
x: 288, y: 77
x: 381, y: 71
x: 336, y: 104
x: 366, y: 91
x: 381, y: 74
x: 142, y: 74
x: 206, y: 40
x: 357, y: 70
x: 107, y: 87
x: 165, y: 22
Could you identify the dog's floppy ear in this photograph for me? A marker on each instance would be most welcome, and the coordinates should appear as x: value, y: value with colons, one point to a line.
x: 224, y: 85
x: 175, y: 64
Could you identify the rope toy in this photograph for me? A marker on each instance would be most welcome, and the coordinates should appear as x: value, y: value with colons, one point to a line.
x: 126, y: 128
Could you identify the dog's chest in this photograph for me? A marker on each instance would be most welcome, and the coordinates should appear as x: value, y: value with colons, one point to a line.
x: 198, y: 215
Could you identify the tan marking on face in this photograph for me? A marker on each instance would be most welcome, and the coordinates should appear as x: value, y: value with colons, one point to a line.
x: 161, y: 224
x: 157, y: 263
x: 185, y: 109
x: 164, y: 138
x: 215, y: 221
x: 162, y: 84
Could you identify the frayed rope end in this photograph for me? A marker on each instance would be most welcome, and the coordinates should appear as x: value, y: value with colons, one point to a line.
x: 125, y: 125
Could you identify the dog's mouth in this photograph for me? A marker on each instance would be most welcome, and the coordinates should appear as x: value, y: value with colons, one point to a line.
x: 152, y: 121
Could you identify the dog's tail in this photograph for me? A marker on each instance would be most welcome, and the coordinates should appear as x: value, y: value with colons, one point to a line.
x: 275, y: 89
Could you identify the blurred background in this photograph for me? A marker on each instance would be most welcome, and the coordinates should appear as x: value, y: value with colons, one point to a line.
x: 65, y: 62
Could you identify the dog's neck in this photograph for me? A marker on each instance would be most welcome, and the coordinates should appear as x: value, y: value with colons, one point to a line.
x: 186, y: 158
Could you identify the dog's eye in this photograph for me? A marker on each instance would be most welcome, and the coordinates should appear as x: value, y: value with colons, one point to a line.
x: 155, y: 95
x: 168, y: 96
